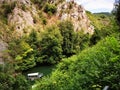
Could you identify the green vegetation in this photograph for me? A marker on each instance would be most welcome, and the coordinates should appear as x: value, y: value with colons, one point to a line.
x: 9, y: 80
x: 68, y: 34
x: 22, y: 54
x: 7, y: 8
x: 45, y: 69
x: 105, y: 25
x: 51, y: 46
x: 50, y: 8
x: 40, y: 3
x: 93, y: 68
x: 48, y: 47
x: 84, y: 62
x: 72, y: 42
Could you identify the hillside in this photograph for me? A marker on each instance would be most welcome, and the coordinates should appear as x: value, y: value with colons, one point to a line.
x: 83, y: 46
x: 93, y: 68
x: 20, y: 17
x: 25, y: 14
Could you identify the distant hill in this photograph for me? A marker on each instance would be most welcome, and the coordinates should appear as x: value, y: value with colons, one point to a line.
x: 106, y: 13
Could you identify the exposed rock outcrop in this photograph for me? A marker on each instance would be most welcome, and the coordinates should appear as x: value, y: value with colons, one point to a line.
x: 20, y: 20
x: 76, y: 13
x: 20, y: 1
x: 24, y: 12
x: 22, y: 16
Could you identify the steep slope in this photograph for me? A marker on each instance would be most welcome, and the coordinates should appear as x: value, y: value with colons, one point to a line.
x: 23, y: 15
x: 19, y: 17
x: 94, y: 68
x: 77, y: 14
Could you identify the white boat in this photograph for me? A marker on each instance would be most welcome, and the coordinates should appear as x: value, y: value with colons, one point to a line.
x: 33, y: 76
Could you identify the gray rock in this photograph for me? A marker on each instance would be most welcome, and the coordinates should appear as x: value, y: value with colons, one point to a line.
x: 76, y: 13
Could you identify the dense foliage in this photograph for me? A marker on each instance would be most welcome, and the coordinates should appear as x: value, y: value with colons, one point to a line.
x: 51, y: 46
x: 47, y: 47
x: 105, y: 25
x: 7, y: 8
x: 72, y: 42
x: 9, y: 80
x: 84, y: 62
x: 22, y: 54
x: 93, y: 68
x: 67, y: 31
x: 50, y: 8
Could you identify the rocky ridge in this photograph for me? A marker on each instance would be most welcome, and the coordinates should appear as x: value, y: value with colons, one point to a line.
x: 77, y: 14
x: 22, y: 16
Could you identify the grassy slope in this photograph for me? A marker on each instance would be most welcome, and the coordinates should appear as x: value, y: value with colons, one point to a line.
x: 102, y: 20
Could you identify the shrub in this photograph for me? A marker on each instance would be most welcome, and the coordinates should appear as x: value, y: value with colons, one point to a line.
x: 8, y: 8
x: 21, y: 52
x: 50, y: 8
x: 93, y: 68
x: 51, y: 46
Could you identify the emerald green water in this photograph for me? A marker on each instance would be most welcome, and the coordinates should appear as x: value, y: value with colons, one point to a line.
x: 46, y: 70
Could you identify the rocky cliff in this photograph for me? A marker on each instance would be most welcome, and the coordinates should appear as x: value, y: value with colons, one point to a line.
x: 76, y: 13
x: 21, y: 16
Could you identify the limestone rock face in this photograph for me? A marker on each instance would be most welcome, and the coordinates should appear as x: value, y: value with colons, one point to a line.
x: 76, y: 13
x: 22, y: 16
x: 20, y: 19
x: 20, y: 1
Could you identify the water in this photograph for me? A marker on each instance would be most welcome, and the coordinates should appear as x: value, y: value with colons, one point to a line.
x: 46, y: 70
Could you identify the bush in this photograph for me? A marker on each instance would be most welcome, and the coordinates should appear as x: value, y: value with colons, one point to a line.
x: 51, y: 46
x: 68, y: 34
x: 8, y: 82
x: 21, y: 83
x: 50, y: 8
x: 72, y: 42
x: 22, y: 54
x: 93, y: 68
x: 8, y: 8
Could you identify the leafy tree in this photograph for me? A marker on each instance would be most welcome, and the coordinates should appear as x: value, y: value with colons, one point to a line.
x: 32, y: 40
x: 92, y: 69
x: 50, y: 8
x: 51, y: 49
x: 22, y: 54
x: 21, y: 83
x: 67, y: 31
x: 6, y: 81
x: 9, y: 82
